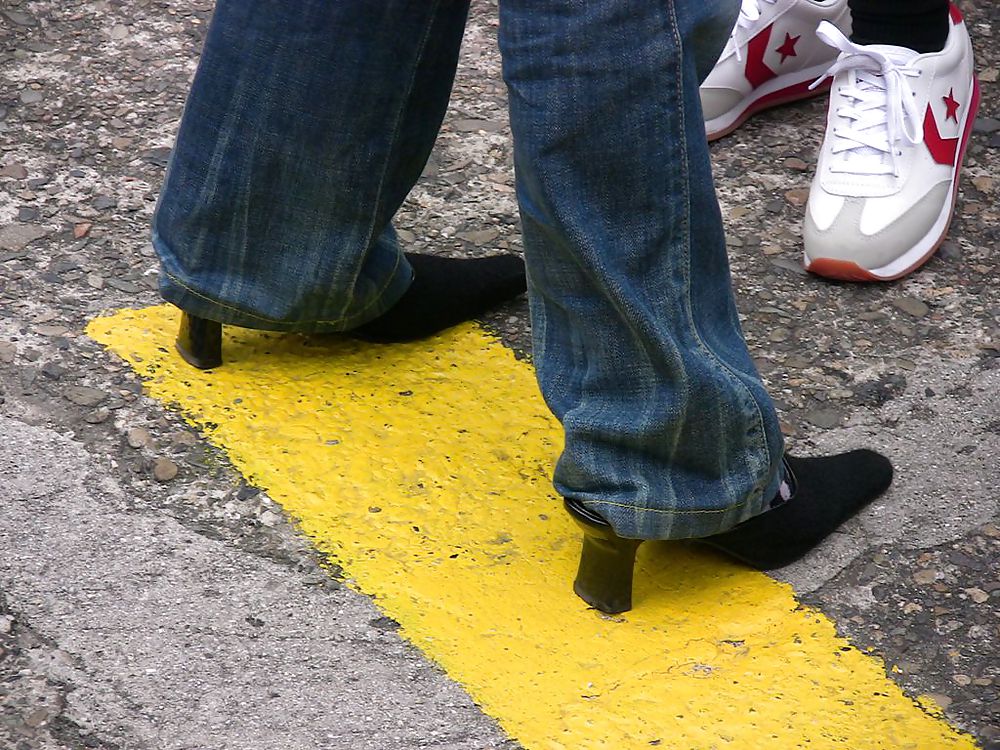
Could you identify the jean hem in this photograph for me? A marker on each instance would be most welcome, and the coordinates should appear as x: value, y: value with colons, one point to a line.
x: 201, y: 304
x: 635, y: 522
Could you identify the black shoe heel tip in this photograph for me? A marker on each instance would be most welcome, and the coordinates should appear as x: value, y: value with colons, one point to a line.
x: 199, y: 342
x: 607, y: 563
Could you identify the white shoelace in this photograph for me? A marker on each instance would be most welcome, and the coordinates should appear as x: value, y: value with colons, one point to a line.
x: 749, y: 15
x: 883, y: 110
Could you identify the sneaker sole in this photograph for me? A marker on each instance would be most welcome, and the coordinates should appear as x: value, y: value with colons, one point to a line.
x: 772, y: 94
x: 912, y: 259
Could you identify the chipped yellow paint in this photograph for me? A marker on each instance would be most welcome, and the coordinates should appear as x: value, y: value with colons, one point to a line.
x: 423, y: 469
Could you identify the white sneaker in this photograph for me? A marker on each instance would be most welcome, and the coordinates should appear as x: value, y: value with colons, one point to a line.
x: 887, y: 172
x: 771, y: 58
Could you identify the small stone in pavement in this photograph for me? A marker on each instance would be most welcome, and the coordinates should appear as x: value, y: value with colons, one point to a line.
x: 84, y: 395
x: 122, y: 285
x: 825, y: 419
x: 797, y: 196
x: 183, y: 438
x: 18, y: 236
x: 158, y: 156
x: 925, y: 576
x: 912, y: 306
x: 18, y: 18
x: 949, y: 250
x: 164, y: 469
x: 17, y: 171
x: 480, y: 237
x: 138, y: 437
x: 102, y: 202
x: 789, y: 265
x: 986, y: 125
x: 98, y: 415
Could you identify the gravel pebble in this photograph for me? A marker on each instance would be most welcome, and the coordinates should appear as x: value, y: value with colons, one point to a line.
x: 103, y: 202
x: 84, y: 395
x: 825, y: 419
x: 164, y: 469
x: 797, y: 197
x: 98, y: 415
x: 926, y: 576
x: 978, y: 595
x: 912, y: 306
x: 17, y: 171
x: 18, y: 18
x: 138, y: 437
x: 986, y: 125
x: 480, y: 237
x: 19, y: 236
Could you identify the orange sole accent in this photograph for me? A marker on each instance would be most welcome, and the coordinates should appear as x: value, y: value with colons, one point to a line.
x: 843, y: 270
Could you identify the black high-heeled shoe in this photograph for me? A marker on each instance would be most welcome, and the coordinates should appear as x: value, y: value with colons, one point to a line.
x: 816, y: 497
x: 199, y: 342
x: 607, y: 561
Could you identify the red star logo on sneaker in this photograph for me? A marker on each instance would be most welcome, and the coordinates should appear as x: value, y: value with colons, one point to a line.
x: 756, y: 69
x: 942, y: 150
x: 787, y: 49
x: 951, y: 105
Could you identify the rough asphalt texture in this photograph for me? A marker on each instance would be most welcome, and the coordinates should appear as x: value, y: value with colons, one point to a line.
x: 123, y: 535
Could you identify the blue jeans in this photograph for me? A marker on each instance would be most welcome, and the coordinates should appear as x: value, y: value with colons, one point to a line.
x: 309, y: 122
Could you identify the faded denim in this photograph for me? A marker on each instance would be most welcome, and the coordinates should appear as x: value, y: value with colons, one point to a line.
x: 309, y: 122
x: 638, y: 347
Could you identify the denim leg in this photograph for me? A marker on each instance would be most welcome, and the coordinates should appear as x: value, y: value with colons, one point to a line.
x: 669, y: 432
x: 708, y: 31
x: 307, y: 124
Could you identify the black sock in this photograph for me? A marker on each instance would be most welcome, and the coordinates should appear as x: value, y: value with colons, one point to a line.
x: 445, y: 292
x: 920, y: 25
x: 827, y: 491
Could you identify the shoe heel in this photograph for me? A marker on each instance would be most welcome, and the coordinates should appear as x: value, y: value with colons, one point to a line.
x: 607, y: 563
x: 199, y: 342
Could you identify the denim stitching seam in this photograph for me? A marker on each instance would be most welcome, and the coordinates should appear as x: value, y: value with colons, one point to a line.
x: 712, y: 356
x: 669, y: 511
x: 265, y: 319
x: 397, y: 126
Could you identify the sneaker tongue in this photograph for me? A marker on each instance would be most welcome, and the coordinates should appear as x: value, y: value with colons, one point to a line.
x: 898, y: 56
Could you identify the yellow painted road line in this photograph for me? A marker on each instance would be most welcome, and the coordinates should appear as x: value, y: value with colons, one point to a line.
x: 423, y: 470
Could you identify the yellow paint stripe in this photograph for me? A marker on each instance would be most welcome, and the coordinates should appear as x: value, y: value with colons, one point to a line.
x: 423, y: 469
